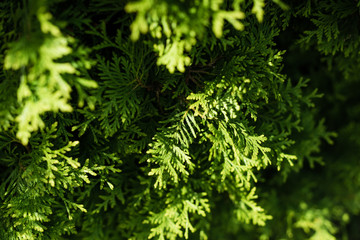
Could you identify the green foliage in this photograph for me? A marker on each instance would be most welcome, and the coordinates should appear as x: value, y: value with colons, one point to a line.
x: 35, y: 55
x: 177, y: 26
x: 191, y: 119
x: 35, y: 192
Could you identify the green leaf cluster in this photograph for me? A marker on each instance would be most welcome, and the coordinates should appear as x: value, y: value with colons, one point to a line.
x: 186, y: 119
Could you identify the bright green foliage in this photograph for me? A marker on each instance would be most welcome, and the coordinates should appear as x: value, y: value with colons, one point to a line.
x: 179, y: 25
x: 33, y: 194
x: 42, y: 86
x: 186, y: 119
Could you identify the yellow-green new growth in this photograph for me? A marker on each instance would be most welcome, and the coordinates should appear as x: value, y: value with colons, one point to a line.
x: 42, y: 85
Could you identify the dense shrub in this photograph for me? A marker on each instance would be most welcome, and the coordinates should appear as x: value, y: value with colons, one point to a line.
x: 179, y: 119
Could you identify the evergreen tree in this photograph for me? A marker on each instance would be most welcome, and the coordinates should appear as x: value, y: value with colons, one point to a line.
x: 179, y: 119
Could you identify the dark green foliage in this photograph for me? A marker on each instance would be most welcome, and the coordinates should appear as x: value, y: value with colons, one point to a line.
x: 180, y: 119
